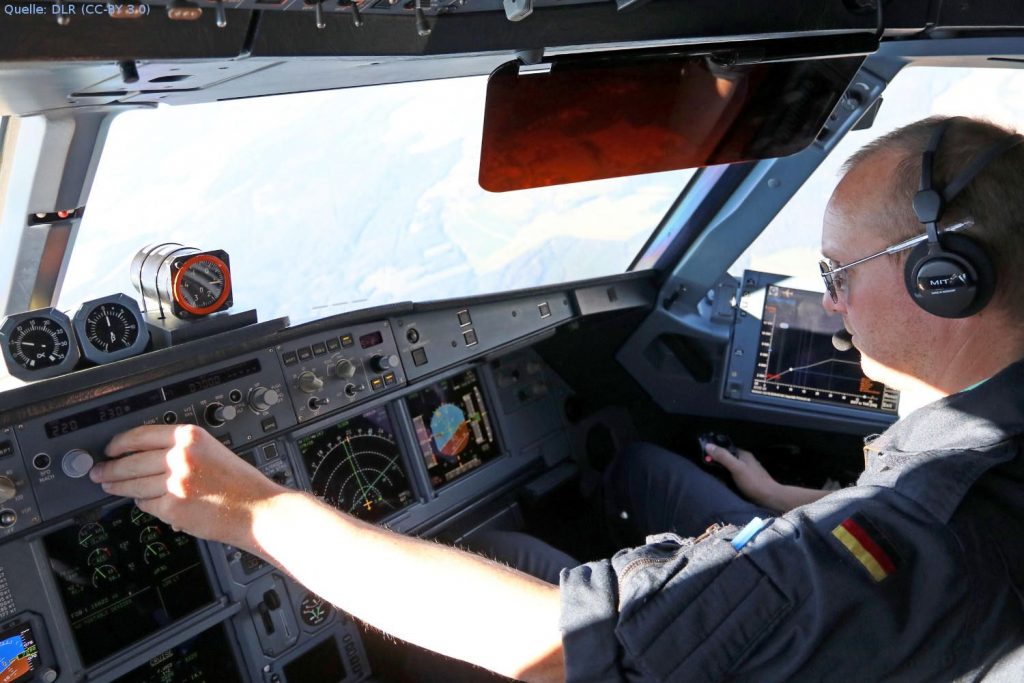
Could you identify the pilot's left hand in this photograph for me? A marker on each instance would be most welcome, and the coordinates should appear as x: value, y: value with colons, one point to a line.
x: 187, y: 478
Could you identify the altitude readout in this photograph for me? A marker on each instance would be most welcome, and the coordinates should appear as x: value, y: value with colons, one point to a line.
x: 355, y: 466
x: 796, y: 358
x: 111, y: 327
x: 453, y: 427
x: 38, y: 343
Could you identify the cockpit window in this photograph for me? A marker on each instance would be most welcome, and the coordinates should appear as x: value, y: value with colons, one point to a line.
x: 338, y: 200
x: 791, y: 243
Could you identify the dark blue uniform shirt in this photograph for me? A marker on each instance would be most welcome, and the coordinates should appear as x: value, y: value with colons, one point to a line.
x: 915, y: 574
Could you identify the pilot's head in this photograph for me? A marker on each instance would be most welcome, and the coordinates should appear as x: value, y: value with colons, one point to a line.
x: 872, y: 208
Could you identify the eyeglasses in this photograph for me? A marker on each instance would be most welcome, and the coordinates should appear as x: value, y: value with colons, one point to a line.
x: 832, y: 274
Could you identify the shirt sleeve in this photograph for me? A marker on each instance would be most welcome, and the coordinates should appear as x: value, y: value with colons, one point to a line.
x: 828, y: 586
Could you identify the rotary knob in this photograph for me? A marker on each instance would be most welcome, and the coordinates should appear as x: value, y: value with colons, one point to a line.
x: 262, y: 399
x: 383, y: 363
x: 343, y: 369
x: 7, y: 489
x: 217, y: 414
x: 76, y: 463
x: 309, y: 383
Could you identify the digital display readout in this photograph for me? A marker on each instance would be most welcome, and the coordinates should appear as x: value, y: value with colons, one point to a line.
x: 123, y: 575
x: 19, y: 654
x: 211, y: 379
x: 371, y: 339
x: 205, y: 658
x: 131, y: 404
x: 107, y: 411
x: 453, y: 427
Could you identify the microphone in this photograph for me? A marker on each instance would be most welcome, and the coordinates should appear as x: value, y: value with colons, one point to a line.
x: 842, y: 340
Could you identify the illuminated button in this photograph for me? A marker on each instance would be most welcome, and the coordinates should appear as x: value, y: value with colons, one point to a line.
x: 270, y: 452
x: 290, y: 358
x: 269, y: 425
x: 470, y: 337
x: 390, y: 379
x: 376, y: 383
x: 346, y: 340
x: 305, y: 353
x: 333, y: 344
x: 545, y: 310
x: 319, y: 349
x: 464, y: 318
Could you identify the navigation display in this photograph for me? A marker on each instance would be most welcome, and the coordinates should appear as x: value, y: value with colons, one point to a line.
x: 355, y: 465
x: 453, y: 427
x: 205, y: 658
x: 123, y: 575
x: 796, y: 359
x: 19, y: 654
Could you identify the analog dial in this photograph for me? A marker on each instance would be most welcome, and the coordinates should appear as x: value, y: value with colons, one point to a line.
x: 315, y: 610
x: 39, y: 343
x: 111, y: 327
x: 202, y: 284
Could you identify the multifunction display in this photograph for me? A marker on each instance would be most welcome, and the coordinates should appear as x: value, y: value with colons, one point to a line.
x: 123, y: 575
x: 355, y: 465
x: 453, y: 427
x: 19, y: 654
x: 796, y: 359
x: 205, y: 658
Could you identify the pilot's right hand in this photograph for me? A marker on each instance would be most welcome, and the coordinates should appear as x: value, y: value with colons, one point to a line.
x: 751, y: 478
x: 187, y: 478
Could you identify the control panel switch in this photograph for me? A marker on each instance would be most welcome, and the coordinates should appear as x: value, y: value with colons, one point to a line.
x: 76, y: 463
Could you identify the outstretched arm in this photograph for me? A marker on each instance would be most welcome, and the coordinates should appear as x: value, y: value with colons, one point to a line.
x: 499, y: 618
x: 757, y: 485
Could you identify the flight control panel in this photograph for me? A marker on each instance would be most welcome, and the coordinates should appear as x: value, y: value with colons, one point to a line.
x: 94, y: 589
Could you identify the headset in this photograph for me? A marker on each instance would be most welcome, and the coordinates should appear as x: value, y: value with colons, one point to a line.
x: 949, y: 274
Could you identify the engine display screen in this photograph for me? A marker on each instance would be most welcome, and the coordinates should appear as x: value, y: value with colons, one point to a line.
x: 796, y: 359
x: 123, y: 575
x: 19, y: 654
x: 205, y: 658
x: 355, y: 465
x: 322, y: 664
x: 453, y: 427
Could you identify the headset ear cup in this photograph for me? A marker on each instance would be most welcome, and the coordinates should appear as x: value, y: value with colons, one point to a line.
x: 958, y: 252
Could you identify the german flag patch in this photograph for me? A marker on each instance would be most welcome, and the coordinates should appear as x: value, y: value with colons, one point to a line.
x: 867, y: 545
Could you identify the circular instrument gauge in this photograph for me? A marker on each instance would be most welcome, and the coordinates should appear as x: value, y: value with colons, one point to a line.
x: 356, y: 467
x: 39, y: 344
x: 202, y: 284
x: 315, y: 610
x: 111, y: 328
x: 92, y: 534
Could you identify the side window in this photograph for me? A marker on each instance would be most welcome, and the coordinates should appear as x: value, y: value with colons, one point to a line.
x: 790, y: 244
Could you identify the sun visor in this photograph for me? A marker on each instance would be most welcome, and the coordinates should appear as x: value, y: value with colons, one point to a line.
x: 618, y: 115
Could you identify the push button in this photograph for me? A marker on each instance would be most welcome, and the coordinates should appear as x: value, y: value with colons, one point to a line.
x: 305, y: 353
x: 269, y: 424
x: 470, y: 337
x: 376, y: 383
x: 390, y: 379
x: 290, y: 358
x: 419, y: 356
x: 346, y: 340
x: 333, y: 344
x: 464, y: 318
x: 319, y: 349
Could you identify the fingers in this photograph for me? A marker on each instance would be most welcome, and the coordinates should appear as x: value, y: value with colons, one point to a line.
x: 152, y: 438
x: 720, y: 455
x: 142, y: 488
x: 137, y: 465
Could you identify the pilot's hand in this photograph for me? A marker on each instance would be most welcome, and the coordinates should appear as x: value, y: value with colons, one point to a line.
x: 187, y: 478
x: 751, y: 478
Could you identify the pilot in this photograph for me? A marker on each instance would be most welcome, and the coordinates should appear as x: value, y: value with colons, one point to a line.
x: 916, y: 573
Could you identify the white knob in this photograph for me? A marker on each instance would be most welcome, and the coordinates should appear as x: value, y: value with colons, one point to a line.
x: 76, y: 463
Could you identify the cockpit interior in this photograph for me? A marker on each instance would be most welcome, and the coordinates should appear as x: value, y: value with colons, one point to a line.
x: 267, y: 219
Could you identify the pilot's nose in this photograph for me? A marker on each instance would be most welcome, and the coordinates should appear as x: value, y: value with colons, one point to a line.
x: 831, y: 306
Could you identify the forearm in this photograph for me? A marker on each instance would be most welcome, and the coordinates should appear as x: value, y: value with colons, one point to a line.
x: 783, y: 498
x: 493, y: 616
